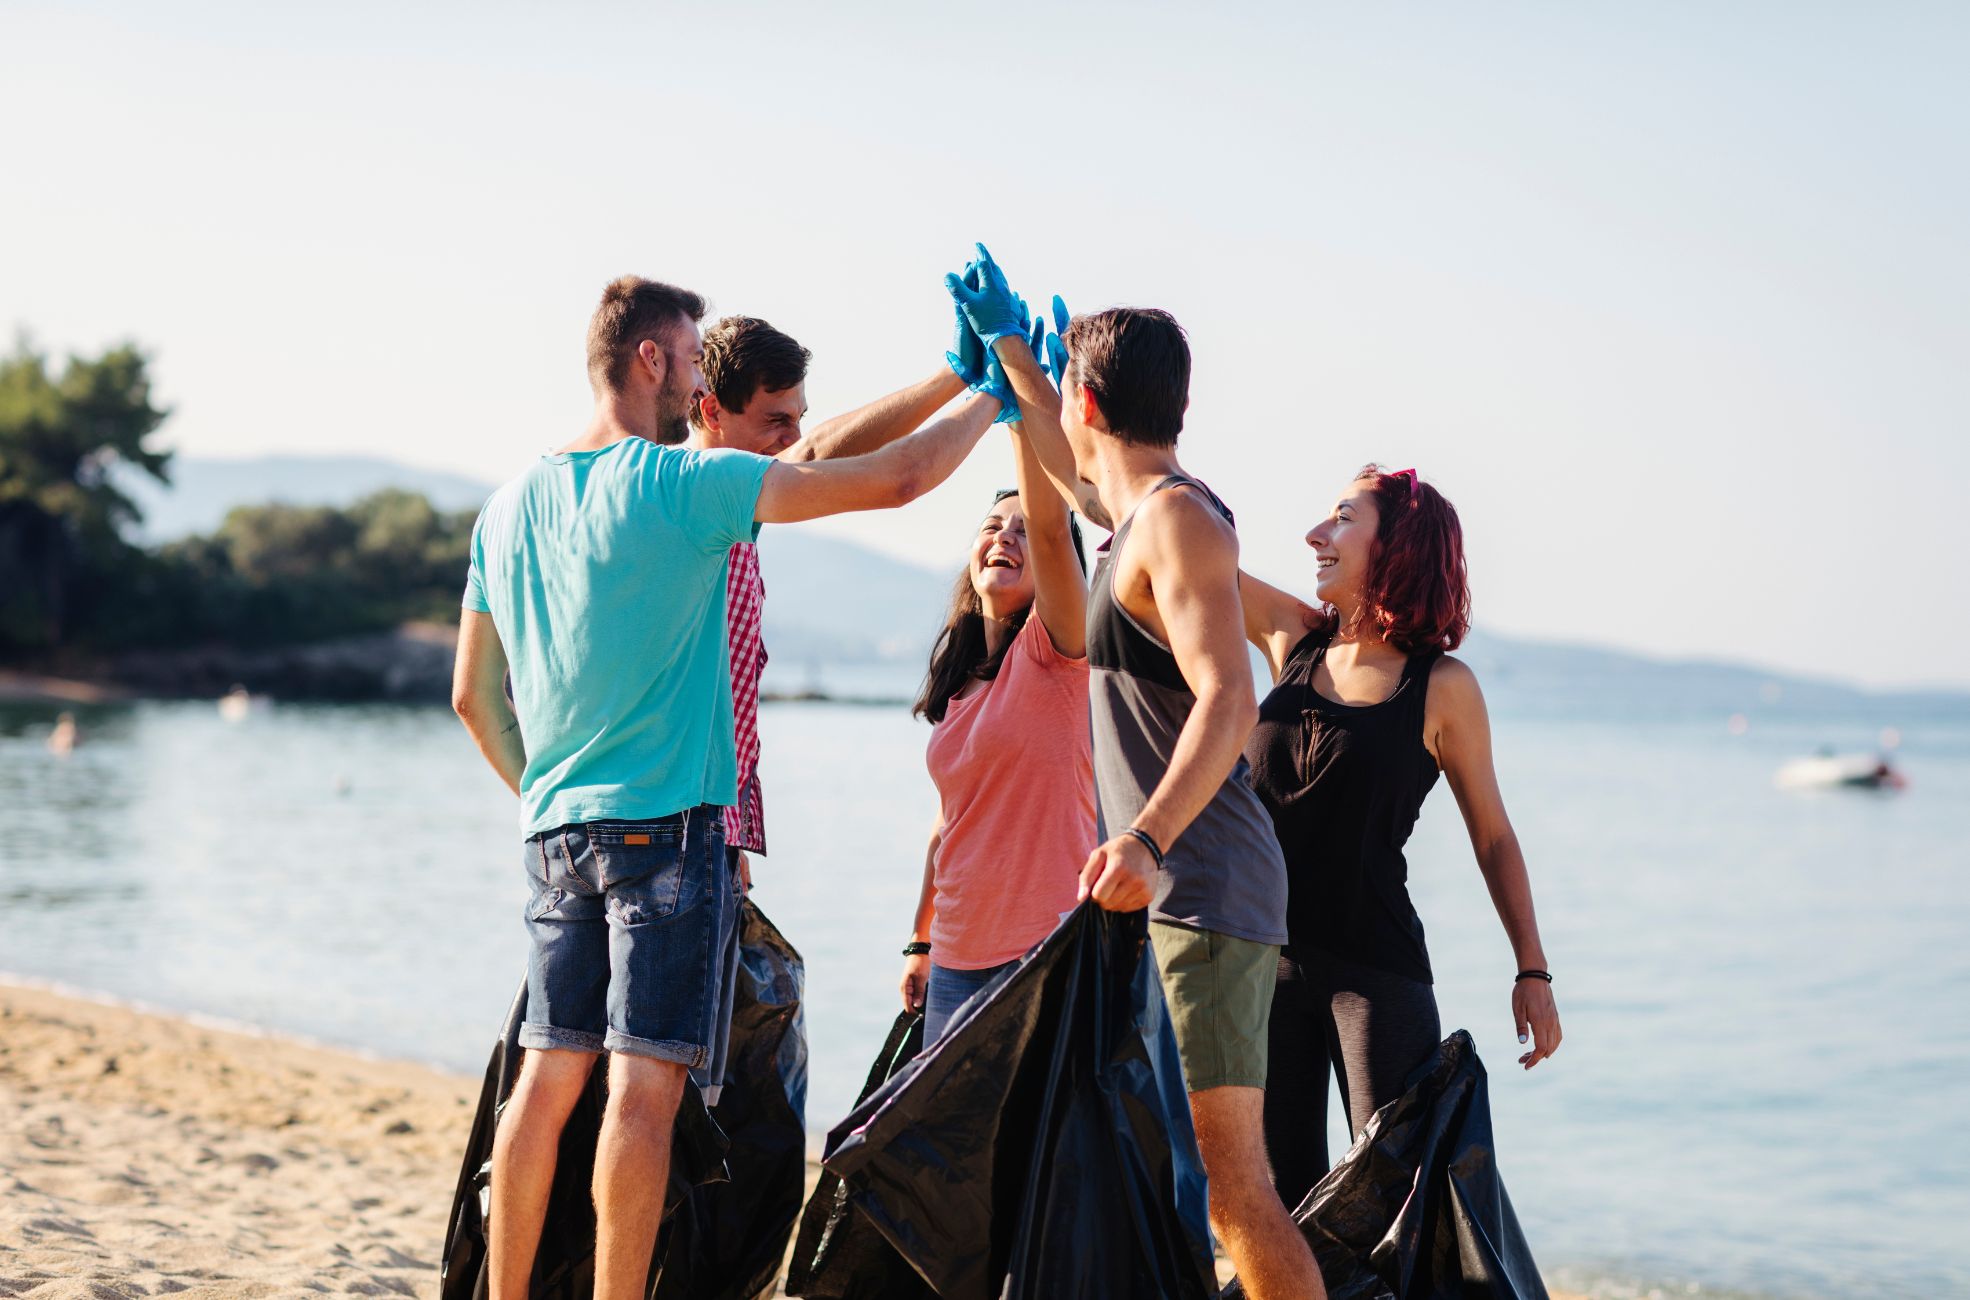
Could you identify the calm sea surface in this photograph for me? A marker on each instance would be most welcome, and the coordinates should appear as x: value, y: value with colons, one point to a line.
x: 1765, y: 1086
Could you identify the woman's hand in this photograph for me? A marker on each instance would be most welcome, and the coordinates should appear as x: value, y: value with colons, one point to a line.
x: 915, y: 981
x: 1533, y: 1008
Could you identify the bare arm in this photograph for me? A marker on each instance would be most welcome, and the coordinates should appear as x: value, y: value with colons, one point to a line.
x: 1459, y: 734
x: 1191, y: 558
x: 1039, y: 424
x: 478, y: 695
x: 1060, y: 592
x: 916, y: 970
x: 894, y: 476
x: 881, y: 422
x: 1275, y: 620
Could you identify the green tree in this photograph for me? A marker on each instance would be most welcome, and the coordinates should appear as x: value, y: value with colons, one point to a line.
x: 61, y: 514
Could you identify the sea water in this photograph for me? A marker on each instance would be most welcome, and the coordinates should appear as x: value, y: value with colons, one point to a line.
x: 1766, y: 1075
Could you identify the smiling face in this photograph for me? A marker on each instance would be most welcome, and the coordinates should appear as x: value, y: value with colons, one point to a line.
x: 768, y: 426
x: 998, y: 561
x: 1344, y: 546
x: 680, y: 382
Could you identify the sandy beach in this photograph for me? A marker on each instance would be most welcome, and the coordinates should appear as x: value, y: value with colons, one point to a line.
x: 147, y: 1155
x: 144, y: 1155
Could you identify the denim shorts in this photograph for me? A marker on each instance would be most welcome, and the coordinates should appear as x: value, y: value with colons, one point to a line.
x: 625, y: 920
x: 949, y: 990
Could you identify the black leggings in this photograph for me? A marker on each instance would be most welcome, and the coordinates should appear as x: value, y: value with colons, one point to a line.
x: 1370, y: 1027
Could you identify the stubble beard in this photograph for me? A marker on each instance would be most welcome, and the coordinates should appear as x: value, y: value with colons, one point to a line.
x: 673, y: 417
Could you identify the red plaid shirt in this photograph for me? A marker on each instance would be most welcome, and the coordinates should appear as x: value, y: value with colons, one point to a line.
x: 745, y: 602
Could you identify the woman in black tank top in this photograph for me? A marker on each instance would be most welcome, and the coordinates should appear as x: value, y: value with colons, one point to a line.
x: 1366, y: 709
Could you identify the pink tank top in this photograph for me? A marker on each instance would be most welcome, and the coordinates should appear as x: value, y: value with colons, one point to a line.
x: 1014, y: 770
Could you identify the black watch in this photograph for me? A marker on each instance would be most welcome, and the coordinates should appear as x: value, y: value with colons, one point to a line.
x: 916, y: 948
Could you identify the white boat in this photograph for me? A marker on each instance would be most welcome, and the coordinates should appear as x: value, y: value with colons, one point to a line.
x: 1831, y: 771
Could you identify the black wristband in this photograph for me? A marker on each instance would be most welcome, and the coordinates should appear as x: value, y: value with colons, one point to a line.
x: 916, y: 948
x: 1148, y: 842
x: 1533, y: 975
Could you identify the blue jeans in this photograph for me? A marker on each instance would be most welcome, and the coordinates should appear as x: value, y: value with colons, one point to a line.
x: 626, y: 922
x: 950, y: 989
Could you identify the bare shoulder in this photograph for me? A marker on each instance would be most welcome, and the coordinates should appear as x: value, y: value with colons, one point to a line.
x: 1454, y: 690
x: 1182, y: 521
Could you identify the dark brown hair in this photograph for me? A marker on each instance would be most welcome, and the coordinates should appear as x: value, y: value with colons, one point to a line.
x: 1419, y: 593
x: 634, y: 309
x: 1136, y: 362
x: 744, y: 354
x: 959, y: 655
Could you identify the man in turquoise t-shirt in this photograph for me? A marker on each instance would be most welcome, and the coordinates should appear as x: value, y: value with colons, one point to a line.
x: 598, y: 579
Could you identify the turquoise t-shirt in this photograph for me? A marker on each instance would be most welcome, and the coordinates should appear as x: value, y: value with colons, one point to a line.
x: 604, y: 572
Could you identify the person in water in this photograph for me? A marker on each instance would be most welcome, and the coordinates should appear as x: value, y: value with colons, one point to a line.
x: 1366, y: 709
x: 1171, y: 703
x: 1009, y: 752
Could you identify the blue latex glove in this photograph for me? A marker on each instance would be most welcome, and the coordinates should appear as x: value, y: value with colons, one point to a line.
x: 991, y: 307
x: 998, y: 384
x: 1055, y: 363
x: 967, y: 355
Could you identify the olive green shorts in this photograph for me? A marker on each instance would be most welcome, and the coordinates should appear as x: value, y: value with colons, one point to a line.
x: 1220, y: 993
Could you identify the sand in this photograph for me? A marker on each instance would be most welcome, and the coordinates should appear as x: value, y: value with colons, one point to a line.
x: 146, y: 1155
x: 143, y: 1155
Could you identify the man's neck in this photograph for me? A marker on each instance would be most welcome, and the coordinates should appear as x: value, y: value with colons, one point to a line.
x: 613, y: 421
x: 1125, y: 473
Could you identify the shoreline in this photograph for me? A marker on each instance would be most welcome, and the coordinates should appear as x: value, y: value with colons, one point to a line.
x: 154, y: 1152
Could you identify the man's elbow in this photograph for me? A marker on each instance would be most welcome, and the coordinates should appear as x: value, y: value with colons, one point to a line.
x: 466, y: 705
x: 1234, y: 709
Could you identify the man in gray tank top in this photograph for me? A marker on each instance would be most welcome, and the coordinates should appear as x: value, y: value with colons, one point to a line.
x: 1172, y: 706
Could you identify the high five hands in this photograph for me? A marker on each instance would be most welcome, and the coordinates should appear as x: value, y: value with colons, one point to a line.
x: 987, y: 310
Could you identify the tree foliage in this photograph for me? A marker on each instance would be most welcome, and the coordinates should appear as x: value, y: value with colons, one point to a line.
x: 61, y: 515
x: 70, y: 582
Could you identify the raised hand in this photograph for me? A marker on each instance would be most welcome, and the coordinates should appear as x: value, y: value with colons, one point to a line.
x: 998, y: 384
x: 967, y: 355
x: 991, y: 306
x: 1055, y: 361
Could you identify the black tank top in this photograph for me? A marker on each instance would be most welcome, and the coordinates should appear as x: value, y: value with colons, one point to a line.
x: 1344, y: 783
x: 1224, y: 873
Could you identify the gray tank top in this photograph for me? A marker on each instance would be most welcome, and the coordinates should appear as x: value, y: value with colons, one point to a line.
x: 1225, y: 873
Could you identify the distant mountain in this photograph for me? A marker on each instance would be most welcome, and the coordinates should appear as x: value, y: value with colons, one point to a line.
x: 204, y: 488
x: 837, y: 611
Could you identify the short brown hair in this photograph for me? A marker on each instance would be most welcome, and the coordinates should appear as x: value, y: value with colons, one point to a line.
x: 634, y: 309
x: 1136, y: 362
x: 744, y: 354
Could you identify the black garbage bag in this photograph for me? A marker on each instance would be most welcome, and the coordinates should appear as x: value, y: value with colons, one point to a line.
x: 838, y: 1254
x: 1042, y: 1149
x: 564, y: 1266
x: 727, y: 1240
x: 1416, y: 1210
x: 767, y: 1112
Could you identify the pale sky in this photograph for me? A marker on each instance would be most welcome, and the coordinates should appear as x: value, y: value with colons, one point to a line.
x: 1672, y: 299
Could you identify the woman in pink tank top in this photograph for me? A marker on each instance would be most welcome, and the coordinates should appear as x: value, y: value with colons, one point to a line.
x: 1009, y: 752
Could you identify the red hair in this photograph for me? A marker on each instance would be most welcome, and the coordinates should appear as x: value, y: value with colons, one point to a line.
x: 1419, y: 594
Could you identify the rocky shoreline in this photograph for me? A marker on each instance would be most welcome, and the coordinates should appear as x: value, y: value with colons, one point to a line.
x: 408, y: 664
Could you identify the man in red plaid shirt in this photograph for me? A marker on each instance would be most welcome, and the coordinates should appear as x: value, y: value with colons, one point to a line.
x: 755, y: 400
